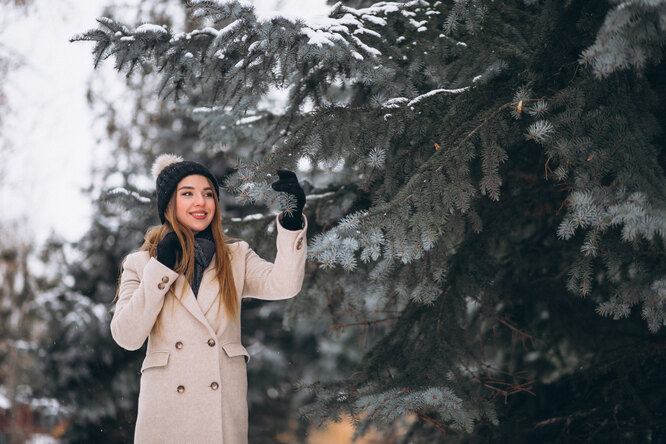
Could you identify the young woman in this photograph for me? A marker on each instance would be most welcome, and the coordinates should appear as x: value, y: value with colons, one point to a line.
x: 182, y: 291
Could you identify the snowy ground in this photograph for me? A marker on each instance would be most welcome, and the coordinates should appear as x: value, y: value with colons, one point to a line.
x: 50, y: 128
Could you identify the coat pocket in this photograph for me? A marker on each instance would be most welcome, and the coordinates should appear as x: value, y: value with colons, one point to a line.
x: 233, y: 349
x: 155, y: 359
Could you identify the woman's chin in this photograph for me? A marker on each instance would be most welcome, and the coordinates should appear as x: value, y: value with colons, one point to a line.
x: 198, y: 226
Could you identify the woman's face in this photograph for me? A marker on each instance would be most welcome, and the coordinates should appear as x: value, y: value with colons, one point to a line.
x: 195, y: 202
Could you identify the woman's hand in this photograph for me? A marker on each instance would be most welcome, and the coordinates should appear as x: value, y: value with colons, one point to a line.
x: 288, y: 183
x: 168, y: 250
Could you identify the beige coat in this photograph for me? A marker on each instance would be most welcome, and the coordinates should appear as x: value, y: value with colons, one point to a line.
x: 193, y: 378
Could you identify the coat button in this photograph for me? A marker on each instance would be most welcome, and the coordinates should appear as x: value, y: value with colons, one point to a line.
x: 165, y: 279
x: 160, y: 286
x: 179, y: 345
x: 181, y: 389
x: 211, y: 342
x: 299, y: 244
x: 214, y: 385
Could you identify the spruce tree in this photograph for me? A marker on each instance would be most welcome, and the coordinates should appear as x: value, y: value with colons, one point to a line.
x: 474, y: 164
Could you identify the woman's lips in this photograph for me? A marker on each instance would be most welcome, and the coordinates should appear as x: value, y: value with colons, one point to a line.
x: 199, y: 215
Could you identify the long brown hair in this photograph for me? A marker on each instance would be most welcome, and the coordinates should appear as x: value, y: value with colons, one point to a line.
x: 185, y: 264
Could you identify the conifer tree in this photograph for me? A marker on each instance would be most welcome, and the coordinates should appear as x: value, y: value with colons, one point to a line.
x: 475, y: 164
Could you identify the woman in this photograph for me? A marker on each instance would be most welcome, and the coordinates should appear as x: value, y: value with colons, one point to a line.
x: 182, y: 292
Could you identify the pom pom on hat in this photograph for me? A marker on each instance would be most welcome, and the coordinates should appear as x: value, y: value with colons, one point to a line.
x: 163, y: 161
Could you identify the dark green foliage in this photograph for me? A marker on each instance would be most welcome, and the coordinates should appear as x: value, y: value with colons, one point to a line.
x: 470, y: 172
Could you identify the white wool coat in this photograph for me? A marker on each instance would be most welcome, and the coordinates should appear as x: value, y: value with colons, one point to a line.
x: 193, y: 378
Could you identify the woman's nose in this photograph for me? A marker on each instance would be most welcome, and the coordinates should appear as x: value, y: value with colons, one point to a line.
x: 199, y: 199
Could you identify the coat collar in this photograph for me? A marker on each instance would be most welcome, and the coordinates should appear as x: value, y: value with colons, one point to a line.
x: 208, y: 290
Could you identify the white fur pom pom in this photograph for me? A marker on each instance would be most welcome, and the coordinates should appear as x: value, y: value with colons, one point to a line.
x: 163, y: 161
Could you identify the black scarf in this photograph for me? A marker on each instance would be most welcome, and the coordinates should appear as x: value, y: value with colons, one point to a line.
x: 204, y: 249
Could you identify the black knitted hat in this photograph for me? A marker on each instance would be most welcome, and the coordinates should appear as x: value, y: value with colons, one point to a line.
x: 168, y: 170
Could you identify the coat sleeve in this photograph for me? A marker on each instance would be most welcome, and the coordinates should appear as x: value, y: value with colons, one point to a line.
x: 140, y: 299
x: 283, y: 278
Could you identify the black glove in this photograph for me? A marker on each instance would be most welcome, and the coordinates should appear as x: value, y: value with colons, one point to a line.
x: 168, y: 250
x: 288, y: 183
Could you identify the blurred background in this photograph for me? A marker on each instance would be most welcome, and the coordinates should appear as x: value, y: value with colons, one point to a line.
x: 470, y: 166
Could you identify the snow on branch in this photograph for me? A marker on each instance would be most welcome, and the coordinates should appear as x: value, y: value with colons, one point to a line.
x: 149, y: 27
x: 436, y: 91
x: 397, y: 102
x: 119, y: 192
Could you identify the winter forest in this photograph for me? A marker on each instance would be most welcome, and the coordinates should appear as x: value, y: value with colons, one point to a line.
x: 486, y: 204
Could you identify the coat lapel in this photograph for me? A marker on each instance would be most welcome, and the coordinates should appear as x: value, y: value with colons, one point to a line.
x: 208, y: 292
x: 189, y: 301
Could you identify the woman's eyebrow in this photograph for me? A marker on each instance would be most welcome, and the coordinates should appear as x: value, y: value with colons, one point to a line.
x: 187, y: 187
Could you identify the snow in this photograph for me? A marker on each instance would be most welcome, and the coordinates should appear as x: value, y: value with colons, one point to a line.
x: 257, y: 46
x: 21, y: 344
x: 347, y: 19
x: 417, y: 24
x: 314, y: 12
x: 318, y: 37
x: 41, y: 439
x: 257, y: 216
x: 377, y: 8
x: 229, y: 29
x: 206, y: 109
x: 436, y: 91
x: 357, y: 56
x: 248, y: 119
x: 149, y: 27
x: 395, y: 102
x: 242, y: 3
x: 4, y: 401
x: 374, y: 19
x: 207, y: 30
x: 134, y: 194
x: 101, y: 311
x: 367, y: 31
x: 368, y: 49
x: 311, y: 197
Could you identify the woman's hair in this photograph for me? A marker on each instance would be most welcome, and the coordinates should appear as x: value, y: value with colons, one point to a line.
x: 185, y: 263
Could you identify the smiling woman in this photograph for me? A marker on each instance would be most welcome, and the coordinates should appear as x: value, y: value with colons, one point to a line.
x: 182, y: 292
